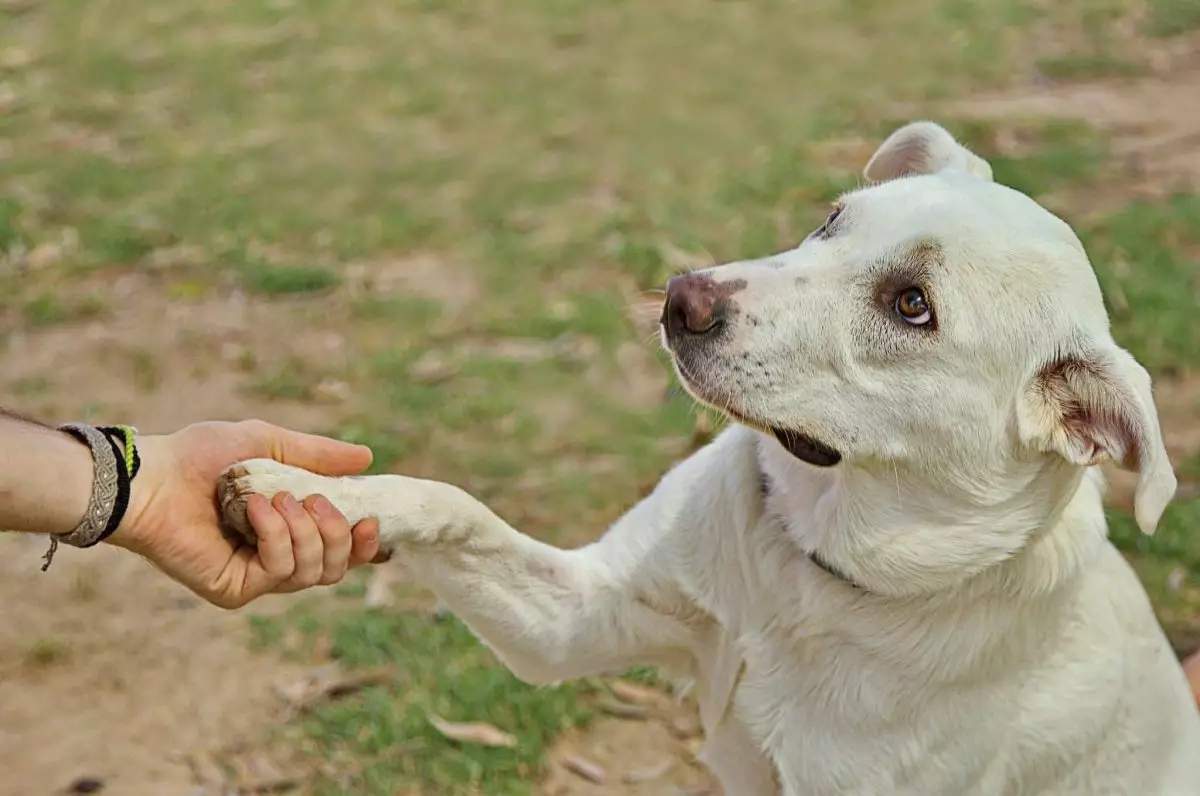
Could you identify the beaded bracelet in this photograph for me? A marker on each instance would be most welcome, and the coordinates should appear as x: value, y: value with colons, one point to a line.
x: 116, y: 461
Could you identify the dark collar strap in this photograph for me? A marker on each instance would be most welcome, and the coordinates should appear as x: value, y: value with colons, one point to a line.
x: 764, y: 482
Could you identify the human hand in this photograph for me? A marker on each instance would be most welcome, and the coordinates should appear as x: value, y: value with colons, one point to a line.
x: 174, y: 520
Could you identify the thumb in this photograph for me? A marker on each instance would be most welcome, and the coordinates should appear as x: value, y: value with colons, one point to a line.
x: 310, y: 451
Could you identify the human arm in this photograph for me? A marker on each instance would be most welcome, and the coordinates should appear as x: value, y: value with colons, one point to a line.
x: 172, y: 517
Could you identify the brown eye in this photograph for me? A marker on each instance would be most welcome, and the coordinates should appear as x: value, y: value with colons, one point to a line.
x: 913, y: 307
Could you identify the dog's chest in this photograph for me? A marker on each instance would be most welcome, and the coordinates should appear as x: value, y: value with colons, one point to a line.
x: 844, y: 697
x: 832, y: 718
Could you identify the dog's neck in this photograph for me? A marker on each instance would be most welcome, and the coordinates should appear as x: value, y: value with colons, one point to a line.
x: 896, y: 534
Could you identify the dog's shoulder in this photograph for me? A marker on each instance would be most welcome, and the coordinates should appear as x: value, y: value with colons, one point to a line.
x: 717, y: 488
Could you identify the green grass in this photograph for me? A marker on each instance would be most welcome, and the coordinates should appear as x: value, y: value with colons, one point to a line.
x: 1090, y: 66
x: 1052, y: 155
x: 291, y: 381
x: 48, y: 308
x: 1172, y: 17
x: 1168, y: 562
x: 380, y: 741
x: 283, y: 279
x: 1145, y: 256
x: 10, y: 234
x: 44, y: 309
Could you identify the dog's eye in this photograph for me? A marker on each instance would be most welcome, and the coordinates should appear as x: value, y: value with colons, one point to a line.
x: 913, y: 307
x: 824, y: 230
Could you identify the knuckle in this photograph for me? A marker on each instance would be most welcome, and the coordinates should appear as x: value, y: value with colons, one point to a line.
x: 307, y: 577
x: 255, y: 427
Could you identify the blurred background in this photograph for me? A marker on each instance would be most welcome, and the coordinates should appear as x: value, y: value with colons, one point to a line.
x: 420, y: 225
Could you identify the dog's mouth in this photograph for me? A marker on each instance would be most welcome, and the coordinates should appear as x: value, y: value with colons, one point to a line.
x: 804, y: 447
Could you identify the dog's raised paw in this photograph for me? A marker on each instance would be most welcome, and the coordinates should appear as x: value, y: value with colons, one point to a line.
x: 264, y: 477
x: 269, y: 478
x: 233, y: 495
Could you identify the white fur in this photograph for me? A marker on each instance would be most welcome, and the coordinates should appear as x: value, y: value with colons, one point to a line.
x: 993, y: 640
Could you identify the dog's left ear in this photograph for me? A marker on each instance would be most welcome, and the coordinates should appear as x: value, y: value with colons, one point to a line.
x: 922, y: 148
x: 1096, y: 407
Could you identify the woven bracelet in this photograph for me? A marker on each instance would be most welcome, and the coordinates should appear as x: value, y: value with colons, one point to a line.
x: 115, y: 463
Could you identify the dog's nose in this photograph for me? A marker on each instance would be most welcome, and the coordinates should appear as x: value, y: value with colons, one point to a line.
x: 695, y: 304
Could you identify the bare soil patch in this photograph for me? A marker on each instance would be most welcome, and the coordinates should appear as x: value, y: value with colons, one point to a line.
x: 1153, y: 122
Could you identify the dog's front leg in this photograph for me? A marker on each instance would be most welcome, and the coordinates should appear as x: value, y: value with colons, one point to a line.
x: 548, y: 614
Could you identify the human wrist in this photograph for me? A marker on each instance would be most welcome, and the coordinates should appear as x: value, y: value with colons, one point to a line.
x: 135, y: 527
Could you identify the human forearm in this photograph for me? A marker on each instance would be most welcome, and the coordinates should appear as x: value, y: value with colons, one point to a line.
x: 156, y: 496
x: 45, y: 478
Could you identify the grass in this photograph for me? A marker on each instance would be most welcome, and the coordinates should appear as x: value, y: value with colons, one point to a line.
x: 46, y: 652
x: 284, y: 280
x: 1090, y: 65
x: 1145, y: 256
x: 1168, y: 18
x: 381, y: 741
x: 466, y: 196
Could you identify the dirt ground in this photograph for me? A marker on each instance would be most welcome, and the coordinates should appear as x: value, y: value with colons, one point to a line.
x: 102, y: 678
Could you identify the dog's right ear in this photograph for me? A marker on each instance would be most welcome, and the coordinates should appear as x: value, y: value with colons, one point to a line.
x: 922, y: 148
x: 1099, y: 406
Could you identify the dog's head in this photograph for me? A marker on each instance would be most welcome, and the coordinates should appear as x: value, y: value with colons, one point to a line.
x: 936, y: 322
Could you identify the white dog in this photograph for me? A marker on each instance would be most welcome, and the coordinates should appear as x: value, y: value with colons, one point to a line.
x: 891, y: 574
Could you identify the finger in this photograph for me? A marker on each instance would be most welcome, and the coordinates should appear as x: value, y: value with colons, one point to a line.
x: 365, y: 542
x: 274, y: 540
x: 254, y: 571
x: 335, y: 537
x: 308, y: 451
x: 307, y: 546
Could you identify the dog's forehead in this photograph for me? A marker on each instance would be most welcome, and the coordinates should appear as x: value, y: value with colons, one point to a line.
x: 954, y: 205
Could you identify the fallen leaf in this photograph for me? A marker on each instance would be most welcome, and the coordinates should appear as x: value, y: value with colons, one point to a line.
x: 432, y: 369
x: 584, y: 768
x: 280, y: 784
x: 623, y: 710
x: 332, y: 391
x: 647, y: 774
x: 350, y: 684
x: 328, y: 683
x: 636, y: 694
x: 477, y: 733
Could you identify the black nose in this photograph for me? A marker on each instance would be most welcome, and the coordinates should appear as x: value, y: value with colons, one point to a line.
x: 696, y: 304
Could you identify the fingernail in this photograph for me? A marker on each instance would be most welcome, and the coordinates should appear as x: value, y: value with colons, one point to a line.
x: 290, y: 504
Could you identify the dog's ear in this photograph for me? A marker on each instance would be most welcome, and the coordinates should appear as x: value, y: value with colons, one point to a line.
x: 922, y: 148
x: 1097, y: 407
